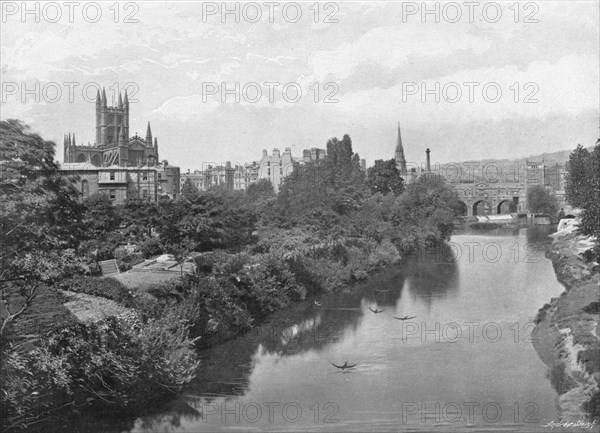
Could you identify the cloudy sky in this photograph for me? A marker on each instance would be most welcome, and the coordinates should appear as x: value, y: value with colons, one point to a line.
x: 375, y: 63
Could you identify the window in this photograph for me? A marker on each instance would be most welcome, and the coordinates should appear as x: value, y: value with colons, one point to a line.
x: 145, y: 176
x: 145, y: 193
x: 160, y: 175
x: 281, y: 171
x: 269, y: 172
x: 112, y: 175
x: 113, y: 194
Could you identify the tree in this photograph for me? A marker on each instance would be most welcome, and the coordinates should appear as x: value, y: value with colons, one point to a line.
x: 140, y: 217
x: 260, y: 190
x: 577, y: 185
x: 540, y: 201
x: 384, y: 177
x: 189, y: 190
x: 40, y: 218
x: 336, y: 184
x: 590, y: 200
x: 424, y: 213
x: 101, y: 217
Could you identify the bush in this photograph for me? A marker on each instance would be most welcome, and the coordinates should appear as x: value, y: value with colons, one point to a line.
x: 269, y: 282
x: 151, y: 247
x: 592, y: 406
x: 541, y: 315
x: 592, y: 308
x: 105, y: 287
x: 560, y: 380
x: 116, y: 364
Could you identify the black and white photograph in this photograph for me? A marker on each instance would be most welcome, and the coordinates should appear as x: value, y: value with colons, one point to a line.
x: 312, y: 216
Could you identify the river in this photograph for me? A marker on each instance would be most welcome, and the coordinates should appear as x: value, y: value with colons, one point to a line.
x: 465, y: 362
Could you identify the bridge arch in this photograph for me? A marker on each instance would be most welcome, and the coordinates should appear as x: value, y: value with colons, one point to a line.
x: 482, y: 207
x: 462, y: 209
x: 506, y: 206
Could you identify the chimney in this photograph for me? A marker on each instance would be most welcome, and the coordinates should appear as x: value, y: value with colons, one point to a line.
x: 428, y: 166
x: 276, y: 153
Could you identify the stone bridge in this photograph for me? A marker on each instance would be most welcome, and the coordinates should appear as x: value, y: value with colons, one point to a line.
x: 491, y: 198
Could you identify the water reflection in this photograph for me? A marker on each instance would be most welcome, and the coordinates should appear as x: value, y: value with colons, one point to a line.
x: 433, y: 274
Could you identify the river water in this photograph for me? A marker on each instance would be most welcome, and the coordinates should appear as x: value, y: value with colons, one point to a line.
x: 464, y: 363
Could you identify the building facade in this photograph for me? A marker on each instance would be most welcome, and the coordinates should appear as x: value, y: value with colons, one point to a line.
x: 117, y: 183
x: 226, y: 176
x: 274, y: 167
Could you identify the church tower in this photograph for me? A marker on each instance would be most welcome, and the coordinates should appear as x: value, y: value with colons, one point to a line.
x: 111, y: 122
x: 399, y: 156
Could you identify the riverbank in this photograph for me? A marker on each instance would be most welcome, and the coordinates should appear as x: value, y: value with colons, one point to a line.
x: 568, y: 341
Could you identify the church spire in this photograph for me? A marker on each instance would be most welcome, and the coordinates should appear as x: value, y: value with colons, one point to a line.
x: 399, y: 155
x: 148, y: 135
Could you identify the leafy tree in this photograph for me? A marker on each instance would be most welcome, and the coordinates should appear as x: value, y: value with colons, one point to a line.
x: 101, y: 217
x: 384, y: 177
x: 260, y: 190
x: 540, y: 201
x: 207, y: 222
x: 335, y: 184
x: 140, y: 217
x: 577, y: 184
x: 424, y: 213
x: 40, y: 217
x: 189, y: 190
x: 342, y: 176
x: 302, y: 192
x: 590, y: 201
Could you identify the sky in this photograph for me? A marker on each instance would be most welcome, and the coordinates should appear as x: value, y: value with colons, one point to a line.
x: 495, y: 80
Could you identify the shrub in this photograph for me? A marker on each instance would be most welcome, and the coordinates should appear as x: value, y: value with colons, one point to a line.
x: 542, y: 313
x: 105, y: 287
x: 270, y: 283
x: 116, y: 364
x: 592, y: 308
x: 151, y: 247
x: 560, y: 380
x: 592, y: 406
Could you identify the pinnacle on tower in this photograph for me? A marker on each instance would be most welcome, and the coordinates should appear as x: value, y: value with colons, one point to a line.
x: 98, y: 98
x: 120, y: 102
x: 126, y: 101
x: 104, y: 97
x: 399, y: 154
x: 74, y: 140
